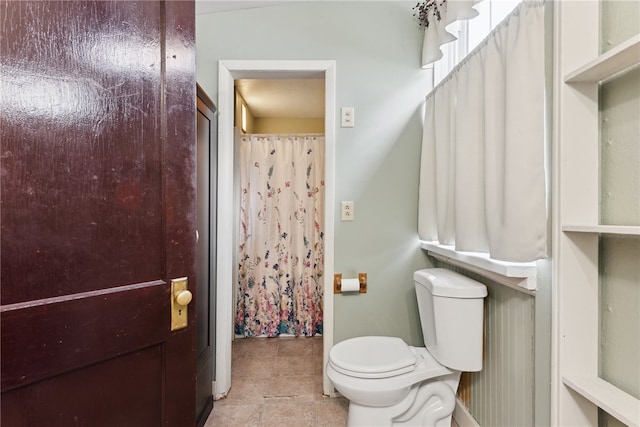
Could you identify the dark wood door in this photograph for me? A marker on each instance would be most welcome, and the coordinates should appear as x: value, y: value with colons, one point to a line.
x: 97, y: 127
x: 205, y: 253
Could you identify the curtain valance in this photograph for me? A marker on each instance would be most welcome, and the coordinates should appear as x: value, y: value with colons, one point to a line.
x: 436, y: 34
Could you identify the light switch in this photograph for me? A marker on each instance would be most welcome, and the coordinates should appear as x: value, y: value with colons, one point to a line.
x: 347, y: 212
x: 348, y: 119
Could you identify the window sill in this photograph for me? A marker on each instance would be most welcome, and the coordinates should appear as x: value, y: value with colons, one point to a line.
x: 520, y: 276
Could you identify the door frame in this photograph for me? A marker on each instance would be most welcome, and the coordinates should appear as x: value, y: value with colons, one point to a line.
x: 206, y: 107
x: 228, y: 71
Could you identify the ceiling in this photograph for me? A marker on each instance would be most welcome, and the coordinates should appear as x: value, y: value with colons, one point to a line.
x: 293, y: 98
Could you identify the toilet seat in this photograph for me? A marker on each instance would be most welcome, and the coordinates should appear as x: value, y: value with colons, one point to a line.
x: 373, y: 357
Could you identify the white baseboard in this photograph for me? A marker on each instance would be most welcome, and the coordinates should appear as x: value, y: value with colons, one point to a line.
x: 217, y: 396
x: 462, y: 416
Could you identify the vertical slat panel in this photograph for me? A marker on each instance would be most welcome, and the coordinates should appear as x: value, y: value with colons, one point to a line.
x: 502, y: 394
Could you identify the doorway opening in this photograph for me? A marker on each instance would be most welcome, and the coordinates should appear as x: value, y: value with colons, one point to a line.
x: 279, y: 135
x: 228, y: 199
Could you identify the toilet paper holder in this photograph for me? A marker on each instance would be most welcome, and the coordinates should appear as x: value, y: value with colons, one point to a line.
x: 337, y: 283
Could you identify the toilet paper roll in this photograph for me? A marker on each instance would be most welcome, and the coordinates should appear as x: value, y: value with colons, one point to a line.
x: 350, y: 285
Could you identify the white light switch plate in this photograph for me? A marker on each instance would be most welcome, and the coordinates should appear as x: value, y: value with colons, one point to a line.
x: 347, y: 117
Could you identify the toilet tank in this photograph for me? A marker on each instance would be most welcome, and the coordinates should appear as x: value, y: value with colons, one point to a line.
x: 451, y: 310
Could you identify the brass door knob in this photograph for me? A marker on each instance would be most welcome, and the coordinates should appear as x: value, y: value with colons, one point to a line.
x: 183, y: 297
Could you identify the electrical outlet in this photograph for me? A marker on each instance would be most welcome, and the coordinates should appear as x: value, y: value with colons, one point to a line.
x: 347, y: 212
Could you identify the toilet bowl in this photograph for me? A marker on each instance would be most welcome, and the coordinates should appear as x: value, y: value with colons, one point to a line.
x: 389, y: 383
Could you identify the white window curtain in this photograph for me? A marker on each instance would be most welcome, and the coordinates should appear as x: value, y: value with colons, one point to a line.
x: 482, y: 178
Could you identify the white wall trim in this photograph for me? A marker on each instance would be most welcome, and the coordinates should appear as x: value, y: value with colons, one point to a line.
x: 240, y: 69
x: 462, y: 415
x: 224, y: 233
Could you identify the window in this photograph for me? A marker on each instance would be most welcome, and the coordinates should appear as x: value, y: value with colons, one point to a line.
x: 243, y: 114
x: 470, y: 34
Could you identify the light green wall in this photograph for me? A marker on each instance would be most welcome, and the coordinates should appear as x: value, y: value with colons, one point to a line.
x: 619, y: 204
x: 377, y: 48
x: 620, y: 20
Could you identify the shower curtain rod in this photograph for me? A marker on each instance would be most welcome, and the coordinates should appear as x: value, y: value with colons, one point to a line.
x: 282, y: 135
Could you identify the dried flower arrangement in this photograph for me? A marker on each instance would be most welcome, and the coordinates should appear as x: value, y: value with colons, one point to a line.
x: 425, y: 9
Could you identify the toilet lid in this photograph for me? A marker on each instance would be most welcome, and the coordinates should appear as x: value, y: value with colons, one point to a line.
x: 373, y: 357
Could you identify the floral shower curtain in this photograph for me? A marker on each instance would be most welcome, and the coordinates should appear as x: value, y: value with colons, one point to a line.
x: 281, y: 235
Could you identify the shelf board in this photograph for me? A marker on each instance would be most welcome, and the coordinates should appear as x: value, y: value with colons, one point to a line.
x: 631, y: 230
x: 610, y: 398
x: 622, y: 57
x: 521, y: 275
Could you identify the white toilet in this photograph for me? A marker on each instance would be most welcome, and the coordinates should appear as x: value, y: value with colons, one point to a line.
x: 389, y: 383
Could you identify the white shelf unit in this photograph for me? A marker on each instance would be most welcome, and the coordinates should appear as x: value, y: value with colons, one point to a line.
x: 621, y: 405
x: 630, y: 230
x: 622, y: 58
x: 577, y: 390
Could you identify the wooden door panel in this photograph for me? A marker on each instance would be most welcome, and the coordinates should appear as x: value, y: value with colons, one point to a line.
x: 81, y: 147
x: 97, y: 138
x: 88, y: 400
x: 63, y: 334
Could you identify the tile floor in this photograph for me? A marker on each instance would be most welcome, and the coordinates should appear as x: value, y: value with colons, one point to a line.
x: 277, y: 382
